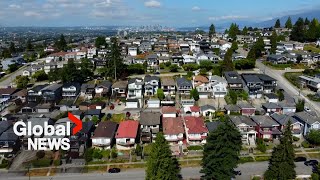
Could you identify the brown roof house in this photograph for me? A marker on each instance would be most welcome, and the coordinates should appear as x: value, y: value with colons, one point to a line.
x: 104, y: 135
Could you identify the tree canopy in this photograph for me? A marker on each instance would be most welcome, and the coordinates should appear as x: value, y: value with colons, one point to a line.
x: 221, y: 152
x: 288, y: 23
x: 61, y: 43
x: 194, y: 94
x: 277, y: 24
x: 160, y: 163
x: 227, y: 64
x: 100, y: 41
x: 212, y: 30
x: 233, y: 31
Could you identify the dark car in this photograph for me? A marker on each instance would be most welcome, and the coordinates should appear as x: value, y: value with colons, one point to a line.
x: 114, y: 170
x: 311, y: 163
x: 237, y: 173
x: 300, y: 159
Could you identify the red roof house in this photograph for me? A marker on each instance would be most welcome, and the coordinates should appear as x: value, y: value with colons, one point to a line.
x: 173, y: 129
x: 196, y: 130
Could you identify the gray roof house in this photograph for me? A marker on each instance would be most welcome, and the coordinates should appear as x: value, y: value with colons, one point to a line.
x: 309, y: 121
x: 184, y: 86
x: 234, y: 80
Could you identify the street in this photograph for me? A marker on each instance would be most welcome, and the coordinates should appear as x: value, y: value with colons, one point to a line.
x: 247, y: 169
x: 287, y: 86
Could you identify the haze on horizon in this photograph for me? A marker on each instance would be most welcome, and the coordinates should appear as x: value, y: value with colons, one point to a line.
x: 174, y: 13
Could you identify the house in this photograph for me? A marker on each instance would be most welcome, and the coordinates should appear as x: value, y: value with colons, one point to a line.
x: 70, y: 90
x: 52, y: 93
x: 287, y: 108
x: 44, y: 108
x: 22, y: 95
x: 253, y: 85
x: 234, y: 80
x: 196, y: 130
x: 173, y: 130
x: 247, y: 129
x: 310, y: 122
x: 103, y: 89
x: 9, y: 142
x: 207, y: 110
x: 169, y: 111
x: 207, y: 57
x: 82, y: 139
x: 127, y: 134
x: 271, y: 108
x: 283, y: 120
x: 187, y: 59
x: 192, y: 111
x: 271, y: 98
x: 135, y: 88
x: 269, y: 84
x: 132, y: 51
x: 35, y: 94
x: 184, y: 86
x: 119, y: 89
x: 91, y: 52
x: 150, y: 125
x: 201, y: 83
x: 153, y: 103
x: 247, y: 109
x: 153, y: 62
x: 168, y: 85
x: 232, y: 109
x: 267, y: 128
x: 87, y: 91
x: 277, y: 59
x: 104, y: 135
x: 311, y: 82
x: 218, y: 86
x: 89, y: 114
x: 212, y: 126
x: 7, y: 92
x: 151, y: 85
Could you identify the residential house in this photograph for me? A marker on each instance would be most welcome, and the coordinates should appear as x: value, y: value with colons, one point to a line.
x: 50, y: 67
x: 184, y: 86
x: 253, y: 85
x: 103, y: 89
x: 212, y: 126
x: 234, y: 80
x: 135, y: 88
x: 218, y: 86
x: 9, y: 142
x: 91, y: 52
x: 207, y: 110
x: 22, y: 95
x: 104, y: 135
x: 188, y: 59
x: 87, y: 91
x: 247, y: 129
x: 150, y: 125
x: 196, y: 130
x: 7, y: 92
x: 267, y: 128
x: 151, y: 85
x: 247, y: 109
x: 89, y: 114
x: 287, y: 108
x: 271, y: 98
x: 173, y: 130
x: 81, y: 140
x: 119, y: 89
x: 192, y: 111
x: 207, y: 57
x: 168, y: 85
x: 201, y: 83
x: 52, y: 93
x: 133, y: 103
x: 35, y: 94
x: 269, y: 84
x: 310, y: 122
x: 127, y: 134
x: 153, y: 103
x: 312, y: 83
x: 70, y: 90
x: 277, y: 59
x: 232, y: 109
x: 283, y: 120
x: 169, y: 111
x: 271, y: 108
x: 153, y: 62
x: 132, y: 51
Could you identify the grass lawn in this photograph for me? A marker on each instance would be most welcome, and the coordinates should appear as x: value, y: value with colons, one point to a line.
x: 118, y: 117
x: 293, y: 78
x: 311, y: 48
x: 314, y: 155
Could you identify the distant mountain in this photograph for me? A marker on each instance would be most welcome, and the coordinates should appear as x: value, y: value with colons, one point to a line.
x: 310, y: 15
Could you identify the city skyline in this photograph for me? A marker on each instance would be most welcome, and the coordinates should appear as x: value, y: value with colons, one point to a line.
x: 144, y: 12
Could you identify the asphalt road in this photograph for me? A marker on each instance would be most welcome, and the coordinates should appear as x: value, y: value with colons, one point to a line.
x: 287, y: 86
x: 247, y: 169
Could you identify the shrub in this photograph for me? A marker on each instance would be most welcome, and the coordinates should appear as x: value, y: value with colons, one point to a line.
x: 246, y: 159
x: 261, y: 146
x: 41, y: 163
x: 57, y: 162
x: 305, y: 144
x: 295, y: 138
x: 96, y: 154
x: 40, y: 154
x: 88, y: 155
x: 262, y: 158
x: 315, y: 176
x: 314, y: 137
x: 5, y: 164
x: 256, y: 178
x: 195, y: 148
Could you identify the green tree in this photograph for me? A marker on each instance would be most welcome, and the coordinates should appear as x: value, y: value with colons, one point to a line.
x: 54, y: 75
x: 29, y: 45
x: 138, y: 150
x: 277, y: 24
x: 95, y: 119
x: 70, y: 73
x: 273, y: 42
x: 100, y: 41
x: 314, y: 137
x: 117, y: 68
x: 161, y: 164
x: 233, y: 96
x: 299, y: 58
x: 233, y: 31
x: 190, y: 67
x: 174, y: 68
x: 312, y: 31
x: 227, y: 64
x: 12, y: 48
x: 85, y: 69
x: 261, y: 146
x: 280, y: 95
x: 13, y: 67
x: 88, y: 155
x: 221, y: 152
x: 245, y: 31
x: 257, y: 49
x: 306, y: 21
x: 206, y: 64
x: 136, y: 69
x: 22, y: 82
x: 298, y: 31
x: 234, y: 46
x: 194, y: 94
x: 160, y: 94
x: 40, y: 76
x: 61, y: 43
x: 212, y: 31
x: 288, y: 23
x: 300, y: 105
x: 281, y: 163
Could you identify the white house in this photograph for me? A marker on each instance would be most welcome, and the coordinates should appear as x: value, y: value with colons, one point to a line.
x: 218, y: 86
x: 194, y: 47
x: 207, y: 110
x: 225, y: 46
x: 173, y: 130
x: 151, y: 85
x: 104, y: 135
x: 81, y: 55
x: 194, y: 111
x: 169, y: 111
x: 187, y: 59
x: 127, y: 134
x: 92, y: 52
x: 132, y: 51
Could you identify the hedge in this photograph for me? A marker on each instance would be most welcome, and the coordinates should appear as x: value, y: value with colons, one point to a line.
x: 246, y: 159
x: 41, y: 163
x: 195, y: 148
x: 262, y: 158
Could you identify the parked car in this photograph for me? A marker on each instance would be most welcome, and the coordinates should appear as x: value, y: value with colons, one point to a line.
x: 311, y: 163
x: 300, y: 159
x: 237, y: 173
x: 307, y: 109
x: 114, y: 170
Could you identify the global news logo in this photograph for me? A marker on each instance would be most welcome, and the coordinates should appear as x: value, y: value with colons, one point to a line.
x: 48, y: 137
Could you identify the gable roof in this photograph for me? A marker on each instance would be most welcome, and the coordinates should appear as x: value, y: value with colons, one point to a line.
x: 212, y: 126
x: 105, y: 129
x: 172, y: 126
x: 201, y: 79
x: 237, y: 120
x: 233, y: 77
x: 264, y: 121
x: 195, y: 125
x: 306, y: 117
x: 195, y: 109
x: 270, y: 106
x: 150, y: 118
x: 248, y: 78
x: 207, y: 107
x: 149, y: 78
x: 127, y: 129
x: 183, y: 82
x: 169, y: 110
x: 232, y: 107
x: 107, y: 84
x: 246, y: 106
x: 283, y: 119
x: 168, y: 81
x: 7, y: 91
x: 120, y: 84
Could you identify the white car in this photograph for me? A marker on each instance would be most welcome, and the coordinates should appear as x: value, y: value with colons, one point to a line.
x: 307, y: 109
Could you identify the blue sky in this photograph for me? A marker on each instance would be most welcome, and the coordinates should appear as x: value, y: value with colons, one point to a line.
x: 173, y: 13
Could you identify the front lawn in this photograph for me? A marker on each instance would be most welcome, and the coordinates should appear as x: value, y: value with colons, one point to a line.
x: 293, y: 78
x: 118, y: 117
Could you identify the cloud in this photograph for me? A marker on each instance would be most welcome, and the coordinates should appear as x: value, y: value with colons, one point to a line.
x: 32, y: 14
x: 152, y: 4
x: 14, y: 6
x: 229, y: 17
x: 195, y: 8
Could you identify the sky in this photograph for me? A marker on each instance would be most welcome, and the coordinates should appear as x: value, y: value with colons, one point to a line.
x: 173, y: 13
